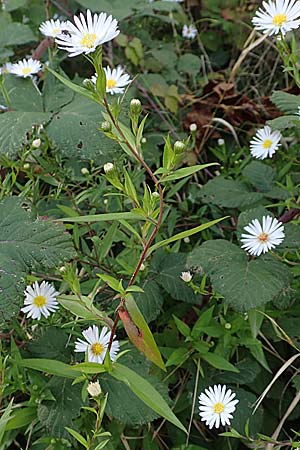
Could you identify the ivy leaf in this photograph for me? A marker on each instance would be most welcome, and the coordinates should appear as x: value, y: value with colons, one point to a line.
x: 26, y: 244
x: 57, y: 414
x: 244, y: 283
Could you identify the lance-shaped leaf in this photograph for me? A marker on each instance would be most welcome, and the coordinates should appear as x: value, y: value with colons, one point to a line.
x: 138, y: 331
x: 143, y: 389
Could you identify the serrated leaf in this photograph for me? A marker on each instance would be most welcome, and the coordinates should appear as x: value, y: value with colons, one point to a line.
x: 244, y: 283
x: 56, y: 415
x: 260, y: 175
x: 26, y: 244
x: 283, y: 122
x: 150, y: 301
x: 143, y: 389
x: 23, y: 94
x: 287, y: 103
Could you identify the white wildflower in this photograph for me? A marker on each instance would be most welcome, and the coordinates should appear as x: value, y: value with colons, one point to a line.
x: 189, y: 31
x: 25, y: 68
x: 87, y: 33
x: 265, y: 143
x: 52, y: 28
x: 97, y: 344
x: 279, y: 16
x: 216, y: 406
x: 116, y: 80
x: 262, y: 237
x: 94, y: 389
x: 40, y: 300
x: 186, y: 276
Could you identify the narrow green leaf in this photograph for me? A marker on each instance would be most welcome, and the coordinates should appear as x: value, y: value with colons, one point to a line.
x: 5, y: 418
x: 219, y: 362
x: 143, y: 389
x: 78, y: 437
x: 107, y: 241
x: 77, y: 307
x: 111, y: 281
x: 182, y: 327
x: 185, y: 172
x: 80, y: 90
x: 21, y: 418
x: 103, y: 217
x: 184, y: 234
x: 50, y: 366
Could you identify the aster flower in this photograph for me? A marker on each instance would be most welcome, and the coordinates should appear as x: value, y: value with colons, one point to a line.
x: 265, y: 143
x: 116, y: 80
x: 6, y: 68
x: 216, y: 406
x: 279, y: 16
x: 40, y: 300
x: 262, y: 238
x: 189, y: 31
x: 25, y: 68
x: 186, y: 276
x: 87, y: 33
x: 52, y: 28
x: 97, y: 344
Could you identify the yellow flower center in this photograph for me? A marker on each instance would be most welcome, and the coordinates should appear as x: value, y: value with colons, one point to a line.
x: 219, y: 408
x: 267, y: 143
x: 110, y: 84
x: 88, y: 40
x: 56, y: 30
x: 263, y: 237
x: 26, y: 70
x: 97, y: 348
x: 279, y: 20
x: 40, y: 301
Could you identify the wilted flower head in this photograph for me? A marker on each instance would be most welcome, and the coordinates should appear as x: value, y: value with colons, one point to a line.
x: 40, y: 300
x: 265, y: 143
x: 189, y: 31
x: 262, y: 237
x: 279, y: 16
x: 186, y: 276
x: 87, y: 33
x: 52, y: 28
x: 25, y: 68
x: 97, y: 344
x: 216, y: 406
x: 94, y: 389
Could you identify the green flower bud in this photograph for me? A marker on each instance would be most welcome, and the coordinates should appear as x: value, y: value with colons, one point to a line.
x: 179, y: 147
x: 135, y: 106
x: 88, y: 84
x: 108, y: 167
x: 106, y: 127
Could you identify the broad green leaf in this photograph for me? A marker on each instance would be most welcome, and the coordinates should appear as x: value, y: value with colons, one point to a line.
x: 16, y: 33
x: 138, y: 331
x: 50, y: 343
x: 23, y: 95
x: 74, y: 87
x: 218, y: 362
x: 178, y: 356
x: 244, y: 283
x: 11, y: 5
x: 14, y: 126
x: 228, y: 193
x: 150, y: 301
x: 283, y: 122
x: 185, y: 172
x: 103, y: 217
x: 189, y: 63
x: 146, y: 392
x: 244, y: 411
x: 184, y: 234
x: 26, y: 244
x: 56, y: 415
x: 260, y: 175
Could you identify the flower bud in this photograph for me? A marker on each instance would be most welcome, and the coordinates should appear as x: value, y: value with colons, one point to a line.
x: 143, y: 140
x: 186, y: 240
x: 186, y: 276
x: 26, y: 166
x: 88, y: 84
x: 135, y: 106
x: 155, y: 194
x: 221, y: 142
x: 85, y: 171
x: 143, y: 267
x: 36, y: 143
x: 62, y: 269
x: 108, y: 167
x: 179, y: 147
x: 94, y: 389
x: 193, y: 127
x: 227, y: 326
x: 106, y: 127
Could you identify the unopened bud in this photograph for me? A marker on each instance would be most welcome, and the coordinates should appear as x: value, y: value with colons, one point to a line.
x: 106, y: 127
x: 105, y: 201
x: 186, y: 276
x: 88, y: 84
x: 62, y: 269
x: 179, y: 147
x: 108, y: 167
x: 94, y: 389
x: 36, y: 143
x: 186, y: 240
x: 193, y: 127
x: 221, y: 142
x: 155, y: 194
x: 135, y: 106
x: 227, y: 326
x: 143, y: 267
x: 143, y: 140
x: 26, y: 166
x: 85, y: 171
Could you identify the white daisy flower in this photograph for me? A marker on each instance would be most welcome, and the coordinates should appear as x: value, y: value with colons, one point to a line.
x: 87, y: 33
x: 52, y: 28
x: 116, y: 80
x: 25, y: 68
x: 216, y: 406
x: 40, y: 300
x: 265, y: 143
x: 6, y: 68
x: 97, y: 345
x: 279, y: 16
x: 262, y: 238
x: 189, y: 31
